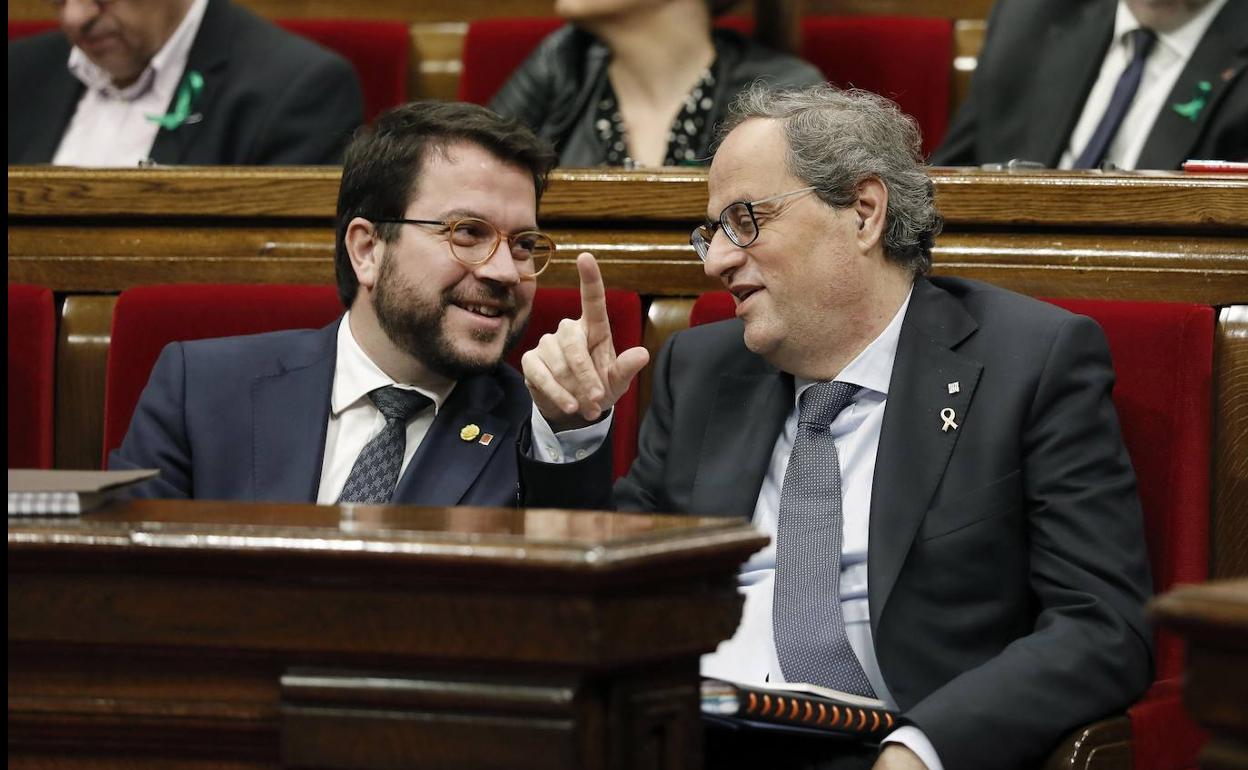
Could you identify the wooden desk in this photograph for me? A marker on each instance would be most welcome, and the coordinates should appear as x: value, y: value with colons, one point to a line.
x: 1214, y: 620
x: 226, y: 635
x: 1149, y: 236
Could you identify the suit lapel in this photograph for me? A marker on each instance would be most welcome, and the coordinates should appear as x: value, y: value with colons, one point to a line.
x: 446, y: 464
x: 209, y: 56
x: 291, y: 412
x: 1064, y: 79
x: 1218, y: 60
x: 58, y: 100
x: 914, y: 448
x: 733, y: 461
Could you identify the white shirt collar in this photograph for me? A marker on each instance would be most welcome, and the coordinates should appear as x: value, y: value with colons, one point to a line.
x: 1181, y: 41
x: 162, y: 73
x: 355, y: 374
x: 873, y: 367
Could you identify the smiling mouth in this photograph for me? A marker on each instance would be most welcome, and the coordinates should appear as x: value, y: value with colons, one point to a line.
x: 487, y: 311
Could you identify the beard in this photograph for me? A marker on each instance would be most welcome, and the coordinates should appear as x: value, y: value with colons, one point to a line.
x: 415, y: 323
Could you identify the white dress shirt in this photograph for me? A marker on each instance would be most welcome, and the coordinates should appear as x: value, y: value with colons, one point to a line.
x: 1162, y: 68
x: 354, y: 420
x: 110, y: 126
x: 750, y: 655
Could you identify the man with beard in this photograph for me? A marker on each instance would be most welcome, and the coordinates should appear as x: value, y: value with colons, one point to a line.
x: 404, y: 399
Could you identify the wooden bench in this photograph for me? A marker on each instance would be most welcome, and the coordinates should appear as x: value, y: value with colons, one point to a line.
x: 1152, y: 236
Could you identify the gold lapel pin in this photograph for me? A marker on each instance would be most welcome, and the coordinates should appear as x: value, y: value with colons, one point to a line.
x: 469, y: 432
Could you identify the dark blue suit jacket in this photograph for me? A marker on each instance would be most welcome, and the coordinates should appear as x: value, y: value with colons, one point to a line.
x: 244, y: 418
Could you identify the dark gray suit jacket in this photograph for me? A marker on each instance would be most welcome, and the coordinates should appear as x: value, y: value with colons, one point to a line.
x: 244, y: 418
x: 1007, y: 566
x: 269, y: 97
x: 1039, y: 62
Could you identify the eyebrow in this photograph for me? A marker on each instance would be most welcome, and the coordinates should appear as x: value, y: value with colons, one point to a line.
x: 469, y: 213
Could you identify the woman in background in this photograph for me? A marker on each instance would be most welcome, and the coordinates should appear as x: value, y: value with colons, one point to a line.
x: 639, y: 82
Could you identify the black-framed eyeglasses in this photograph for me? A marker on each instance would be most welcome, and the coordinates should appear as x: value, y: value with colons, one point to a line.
x: 737, y: 220
x: 473, y: 241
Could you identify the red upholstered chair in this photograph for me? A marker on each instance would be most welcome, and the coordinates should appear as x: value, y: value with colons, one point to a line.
x: 495, y: 48
x: 379, y: 51
x: 624, y: 308
x: 27, y: 27
x: 909, y: 60
x: 32, y: 350
x: 147, y: 318
x: 1163, y: 359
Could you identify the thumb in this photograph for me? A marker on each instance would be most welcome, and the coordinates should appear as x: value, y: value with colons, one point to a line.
x: 625, y: 368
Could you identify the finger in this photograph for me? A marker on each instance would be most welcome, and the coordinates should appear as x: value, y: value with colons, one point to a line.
x: 593, y: 300
x: 551, y: 353
x: 552, y: 399
x: 571, y: 338
x: 625, y: 368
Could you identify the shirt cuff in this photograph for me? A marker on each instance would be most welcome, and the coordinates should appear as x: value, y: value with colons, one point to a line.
x: 913, y: 738
x: 570, y: 445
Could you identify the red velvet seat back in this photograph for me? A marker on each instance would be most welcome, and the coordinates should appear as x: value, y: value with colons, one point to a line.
x: 147, y: 318
x: 379, y: 51
x: 908, y: 60
x: 32, y: 351
x: 550, y: 306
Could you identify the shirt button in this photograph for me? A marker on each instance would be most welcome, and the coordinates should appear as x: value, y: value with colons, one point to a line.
x: 580, y: 454
x: 552, y: 454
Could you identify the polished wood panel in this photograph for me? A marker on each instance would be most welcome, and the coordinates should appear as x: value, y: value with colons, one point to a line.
x: 81, y: 359
x: 1230, y: 434
x: 252, y: 635
x: 1213, y: 619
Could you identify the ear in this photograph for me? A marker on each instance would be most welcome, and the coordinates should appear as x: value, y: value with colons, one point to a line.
x: 871, y: 211
x: 366, y: 251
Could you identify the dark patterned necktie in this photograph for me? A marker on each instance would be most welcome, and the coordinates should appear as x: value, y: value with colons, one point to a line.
x: 809, y: 628
x: 1142, y: 40
x: 376, y: 470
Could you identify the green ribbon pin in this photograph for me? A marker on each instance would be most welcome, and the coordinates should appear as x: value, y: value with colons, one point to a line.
x: 188, y: 92
x: 1191, y: 109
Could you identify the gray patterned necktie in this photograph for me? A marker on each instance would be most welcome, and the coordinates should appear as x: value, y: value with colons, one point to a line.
x: 806, y: 609
x: 376, y: 470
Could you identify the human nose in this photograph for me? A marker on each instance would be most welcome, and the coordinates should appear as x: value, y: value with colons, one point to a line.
x: 76, y: 14
x: 722, y: 256
x: 500, y: 267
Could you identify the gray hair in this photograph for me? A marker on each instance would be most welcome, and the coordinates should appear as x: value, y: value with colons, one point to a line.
x: 839, y: 139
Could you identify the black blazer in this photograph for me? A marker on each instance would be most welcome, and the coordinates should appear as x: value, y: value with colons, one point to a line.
x: 269, y: 97
x: 1039, y: 62
x: 555, y: 89
x: 1006, y: 562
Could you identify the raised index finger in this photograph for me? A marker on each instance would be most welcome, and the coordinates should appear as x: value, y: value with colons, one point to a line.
x: 593, y: 300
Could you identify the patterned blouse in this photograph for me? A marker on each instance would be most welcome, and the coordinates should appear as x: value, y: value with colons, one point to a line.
x: 688, y: 125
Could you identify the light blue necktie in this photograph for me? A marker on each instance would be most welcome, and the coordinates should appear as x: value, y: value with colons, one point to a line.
x: 809, y: 628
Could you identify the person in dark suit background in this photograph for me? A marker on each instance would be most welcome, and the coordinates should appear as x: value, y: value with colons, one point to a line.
x: 193, y: 82
x: 405, y: 398
x: 987, y: 549
x: 1048, y: 72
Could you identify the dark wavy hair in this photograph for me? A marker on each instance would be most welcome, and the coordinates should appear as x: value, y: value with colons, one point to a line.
x: 383, y: 163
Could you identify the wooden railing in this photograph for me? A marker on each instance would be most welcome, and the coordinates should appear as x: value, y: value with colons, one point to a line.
x: 1149, y: 236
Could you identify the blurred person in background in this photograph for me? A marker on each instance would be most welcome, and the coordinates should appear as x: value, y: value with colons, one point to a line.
x: 640, y: 82
x: 200, y: 82
x: 1106, y: 83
